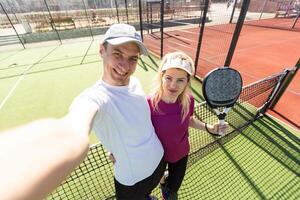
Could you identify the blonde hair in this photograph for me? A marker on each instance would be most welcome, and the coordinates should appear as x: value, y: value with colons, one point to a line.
x: 184, y: 97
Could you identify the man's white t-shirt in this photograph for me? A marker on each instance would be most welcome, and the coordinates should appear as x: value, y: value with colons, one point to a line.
x: 123, y: 125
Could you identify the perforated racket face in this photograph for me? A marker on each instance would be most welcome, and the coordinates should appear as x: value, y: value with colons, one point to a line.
x: 222, y: 87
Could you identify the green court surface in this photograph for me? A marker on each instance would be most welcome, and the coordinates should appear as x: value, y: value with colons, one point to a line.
x: 262, y: 161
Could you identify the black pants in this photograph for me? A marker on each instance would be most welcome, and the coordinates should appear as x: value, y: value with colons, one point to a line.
x: 176, y: 174
x: 141, y: 189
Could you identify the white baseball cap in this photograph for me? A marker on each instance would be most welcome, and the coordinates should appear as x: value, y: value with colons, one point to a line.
x: 122, y: 33
x: 180, y: 63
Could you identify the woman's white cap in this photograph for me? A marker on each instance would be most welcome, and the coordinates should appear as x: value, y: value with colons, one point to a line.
x: 180, y: 63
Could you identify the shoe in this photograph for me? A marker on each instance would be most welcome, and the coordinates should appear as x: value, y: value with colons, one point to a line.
x: 166, y: 194
x: 151, y: 197
x: 173, y: 196
x: 164, y: 191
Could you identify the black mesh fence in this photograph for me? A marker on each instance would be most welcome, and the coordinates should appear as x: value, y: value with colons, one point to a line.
x: 217, y: 36
x: 202, y: 29
x: 276, y: 14
x: 93, y: 179
x: 10, y: 24
x: 53, y: 20
x: 32, y: 21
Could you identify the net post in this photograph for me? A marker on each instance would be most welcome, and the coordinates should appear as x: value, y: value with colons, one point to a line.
x: 12, y: 25
x: 274, y: 92
x: 201, y: 33
x: 289, y: 77
x: 237, y: 31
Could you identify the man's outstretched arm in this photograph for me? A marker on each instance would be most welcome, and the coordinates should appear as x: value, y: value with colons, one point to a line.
x: 37, y: 157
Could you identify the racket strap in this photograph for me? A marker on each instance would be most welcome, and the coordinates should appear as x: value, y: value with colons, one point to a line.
x: 221, y: 115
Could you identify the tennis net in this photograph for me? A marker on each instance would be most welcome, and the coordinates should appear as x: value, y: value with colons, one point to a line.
x: 93, y: 179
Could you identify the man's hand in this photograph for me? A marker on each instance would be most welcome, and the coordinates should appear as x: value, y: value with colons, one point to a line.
x: 111, y: 157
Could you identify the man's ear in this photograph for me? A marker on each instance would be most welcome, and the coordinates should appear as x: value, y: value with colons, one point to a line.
x: 101, y: 49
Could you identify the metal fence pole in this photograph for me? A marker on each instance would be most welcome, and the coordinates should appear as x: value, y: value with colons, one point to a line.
x: 12, y: 24
x: 237, y: 32
x: 88, y: 20
x: 52, y: 21
x: 296, y: 19
x: 11, y: 10
x: 151, y: 20
x: 116, y: 4
x: 141, y: 18
x: 162, y: 28
x: 263, y: 8
x: 232, y: 13
x: 126, y: 9
x: 201, y: 33
x: 147, y: 10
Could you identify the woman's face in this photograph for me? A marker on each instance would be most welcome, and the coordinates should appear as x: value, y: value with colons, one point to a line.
x: 174, y: 81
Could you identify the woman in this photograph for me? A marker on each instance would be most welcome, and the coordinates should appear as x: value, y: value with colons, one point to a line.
x: 172, y: 107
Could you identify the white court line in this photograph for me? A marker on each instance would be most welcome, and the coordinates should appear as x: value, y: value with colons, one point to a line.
x: 281, y: 121
x: 14, y: 87
x: 21, y: 77
x: 293, y: 91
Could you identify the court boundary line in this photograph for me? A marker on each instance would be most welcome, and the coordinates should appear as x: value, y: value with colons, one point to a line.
x: 86, y: 53
x: 281, y: 121
x: 55, y: 60
x: 15, y: 86
x: 13, y: 54
x: 21, y: 78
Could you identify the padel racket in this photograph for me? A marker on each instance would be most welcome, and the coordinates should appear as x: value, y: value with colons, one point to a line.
x: 221, y: 89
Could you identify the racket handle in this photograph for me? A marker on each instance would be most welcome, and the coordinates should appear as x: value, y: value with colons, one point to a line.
x: 222, y: 122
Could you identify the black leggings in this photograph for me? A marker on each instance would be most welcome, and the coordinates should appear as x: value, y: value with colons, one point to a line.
x: 176, y: 174
x: 140, y: 190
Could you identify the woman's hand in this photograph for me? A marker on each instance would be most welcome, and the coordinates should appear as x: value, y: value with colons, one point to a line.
x: 218, y: 128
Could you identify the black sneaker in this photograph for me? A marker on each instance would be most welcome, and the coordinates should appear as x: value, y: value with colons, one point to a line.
x: 164, y: 192
x: 151, y: 197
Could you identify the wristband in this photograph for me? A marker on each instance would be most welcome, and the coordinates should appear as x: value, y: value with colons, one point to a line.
x: 206, y: 128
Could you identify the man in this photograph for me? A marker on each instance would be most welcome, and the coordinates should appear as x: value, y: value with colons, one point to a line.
x: 119, y: 114
x: 37, y: 157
